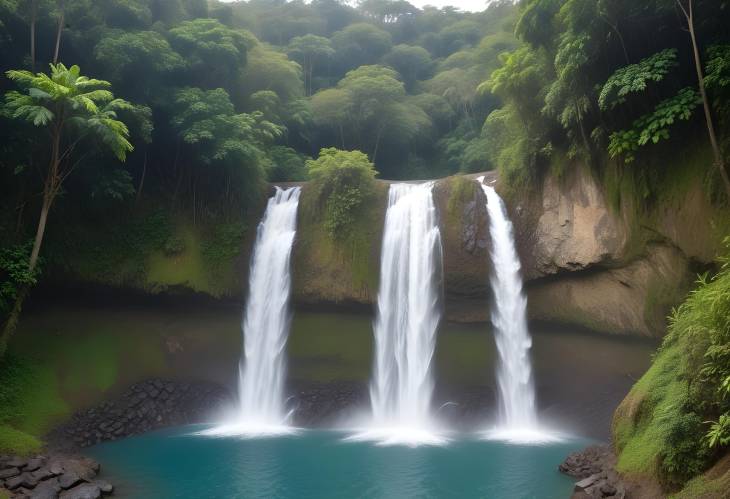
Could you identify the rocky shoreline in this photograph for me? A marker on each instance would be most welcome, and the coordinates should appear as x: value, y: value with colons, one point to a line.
x: 594, y: 469
x: 148, y: 405
x: 53, y: 476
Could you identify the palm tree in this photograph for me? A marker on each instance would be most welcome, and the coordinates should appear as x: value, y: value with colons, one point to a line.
x: 71, y: 107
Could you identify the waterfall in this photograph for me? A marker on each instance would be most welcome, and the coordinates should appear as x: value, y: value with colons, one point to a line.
x: 517, y: 411
x: 266, y: 321
x: 408, y: 313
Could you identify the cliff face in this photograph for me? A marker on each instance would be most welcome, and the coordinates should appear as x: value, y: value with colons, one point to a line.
x: 345, y: 271
x: 610, y: 269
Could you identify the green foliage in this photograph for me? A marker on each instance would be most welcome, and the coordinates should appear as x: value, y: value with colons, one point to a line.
x: 655, y: 126
x: 15, y: 274
x: 125, y: 54
x: 65, y: 97
x: 207, y: 120
x: 13, y: 373
x: 634, y: 78
x: 174, y: 245
x: 684, y: 452
x: 662, y: 426
x: 717, y: 73
x: 360, y: 44
x: 719, y: 433
x: 344, y: 180
x: 286, y: 165
x: 211, y: 50
x: 113, y: 184
x: 412, y: 62
x: 222, y: 246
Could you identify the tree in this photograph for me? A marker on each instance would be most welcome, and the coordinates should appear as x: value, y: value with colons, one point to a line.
x: 343, y: 181
x: 72, y: 108
x: 331, y: 108
x: 269, y: 69
x: 124, y: 55
x: 412, y: 62
x: 310, y: 51
x: 214, y: 53
x: 688, y: 11
x: 360, y: 44
x: 387, y: 11
x: 215, y: 135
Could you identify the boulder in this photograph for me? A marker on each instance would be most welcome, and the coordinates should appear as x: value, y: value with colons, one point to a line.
x: 9, y: 473
x: 48, y: 489
x: 83, y: 491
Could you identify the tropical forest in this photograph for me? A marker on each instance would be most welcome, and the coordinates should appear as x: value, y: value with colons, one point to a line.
x: 365, y: 249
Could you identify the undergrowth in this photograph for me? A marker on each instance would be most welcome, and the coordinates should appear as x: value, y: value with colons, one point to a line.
x: 664, y: 427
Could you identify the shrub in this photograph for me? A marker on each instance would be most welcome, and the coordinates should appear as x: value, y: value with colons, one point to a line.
x: 343, y: 179
x: 173, y: 246
x: 14, y: 274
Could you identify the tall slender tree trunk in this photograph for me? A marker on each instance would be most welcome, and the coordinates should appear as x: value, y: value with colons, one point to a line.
x: 141, y: 181
x: 50, y: 188
x: 12, y: 322
x: 33, y: 17
x: 61, y: 21
x: 717, y: 153
x: 377, y: 142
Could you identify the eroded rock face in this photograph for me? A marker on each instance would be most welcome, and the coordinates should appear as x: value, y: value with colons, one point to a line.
x: 633, y: 299
x: 590, y: 265
x: 576, y: 229
x: 464, y: 227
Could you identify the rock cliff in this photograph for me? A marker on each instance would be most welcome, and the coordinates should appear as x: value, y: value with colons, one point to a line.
x: 610, y: 269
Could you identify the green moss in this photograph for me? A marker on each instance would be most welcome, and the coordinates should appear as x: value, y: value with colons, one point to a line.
x: 13, y: 441
x: 707, y: 486
x: 660, y: 297
x: 220, y: 249
x: 107, y: 253
x: 461, y: 191
x: 642, y: 422
x: 340, y: 267
x: 659, y: 429
x: 183, y: 269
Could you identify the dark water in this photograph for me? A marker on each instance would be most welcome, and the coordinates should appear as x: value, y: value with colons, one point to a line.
x: 320, y: 465
x: 98, y: 350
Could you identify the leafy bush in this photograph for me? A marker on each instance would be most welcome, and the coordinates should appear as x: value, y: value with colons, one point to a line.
x: 684, y: 454
x: 13, y: 374
x: 343, y: 179
x: 173, y: 246
x: 14, y: 274
x: 666, y: 416
x: 654, y: 126
x: 223, y: 245
x: 634, y: 78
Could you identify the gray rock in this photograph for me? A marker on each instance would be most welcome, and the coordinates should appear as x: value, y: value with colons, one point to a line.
x: 34, y: 464
x: 104, y: 486
x: 25, y: 479
x: 9, y: 473
x: 587, y: 482
x: 83, y: 491
x: 46, y: 490
x: 69, y: 479
x: 17, y: 462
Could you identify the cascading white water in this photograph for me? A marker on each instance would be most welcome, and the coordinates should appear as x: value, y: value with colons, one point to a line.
x: 517, y: 411
x: 266, y: 322
x: 266, y: 318
x: 408, y: 314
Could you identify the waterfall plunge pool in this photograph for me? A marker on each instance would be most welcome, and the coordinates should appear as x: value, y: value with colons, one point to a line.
x: 178, y: 463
